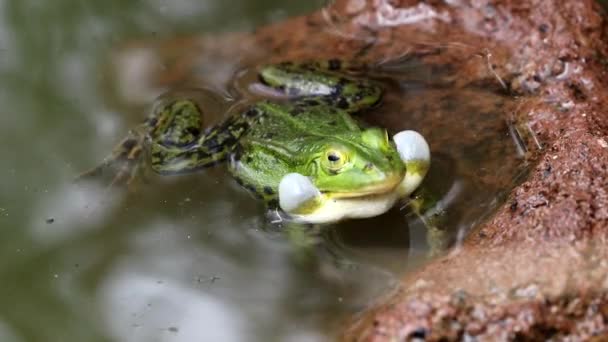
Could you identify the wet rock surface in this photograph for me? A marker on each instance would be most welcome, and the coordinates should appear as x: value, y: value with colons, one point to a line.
x: 538, y: 268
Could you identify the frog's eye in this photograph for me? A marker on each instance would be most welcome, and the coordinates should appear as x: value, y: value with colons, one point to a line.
x: 334, y: 160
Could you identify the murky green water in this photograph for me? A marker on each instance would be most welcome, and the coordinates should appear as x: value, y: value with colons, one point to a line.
x: 190, y: 258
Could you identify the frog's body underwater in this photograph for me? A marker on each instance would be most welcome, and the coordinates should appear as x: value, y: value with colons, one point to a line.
x: 304, y: 154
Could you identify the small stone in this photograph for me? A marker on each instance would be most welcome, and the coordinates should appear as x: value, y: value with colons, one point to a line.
x: 50, y: 220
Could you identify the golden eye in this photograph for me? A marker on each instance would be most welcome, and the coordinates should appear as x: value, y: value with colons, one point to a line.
x: 334, y: 160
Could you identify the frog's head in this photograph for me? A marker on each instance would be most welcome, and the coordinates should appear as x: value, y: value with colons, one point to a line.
x: 354, y: 176
x: 360, y: 164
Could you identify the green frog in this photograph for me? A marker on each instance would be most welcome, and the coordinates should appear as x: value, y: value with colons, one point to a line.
x: 304, y: 153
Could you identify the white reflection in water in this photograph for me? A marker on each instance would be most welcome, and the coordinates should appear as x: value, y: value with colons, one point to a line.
x: 154, y: 294
x: 70, y: 210
x: 6, y: 333
x: 170, y: 287
x: 138, y: 308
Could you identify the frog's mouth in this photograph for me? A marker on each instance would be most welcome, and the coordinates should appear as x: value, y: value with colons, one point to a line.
x: 388, y: 185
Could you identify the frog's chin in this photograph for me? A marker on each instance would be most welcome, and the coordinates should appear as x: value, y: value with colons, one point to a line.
x: 373, y: 190
x: 334, y: 209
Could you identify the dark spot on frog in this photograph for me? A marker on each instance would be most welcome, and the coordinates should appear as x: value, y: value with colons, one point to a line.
x: 293, y: 91
x: 254, y: 191
x: 251, y: 112
x: 158, y: 155
x: 332, y: 123
x: 237, y: 153
x: 129, y: 144
x: 211, y: 143
x: 543, y: 28
x: 513, y: 206
x: 338, y: 88
x: 311, y: 102
x: 249, y: 160
x: 297, y: 110
x: 342, y: 104
x: 152, y: 121
x: 200, y: 155
x: 193, y: 131
x: 231, y: 140
x: 268, y: 190
x: 268, y: 135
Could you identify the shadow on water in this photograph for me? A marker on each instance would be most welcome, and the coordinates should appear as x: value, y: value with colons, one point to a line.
x: 188, y: 258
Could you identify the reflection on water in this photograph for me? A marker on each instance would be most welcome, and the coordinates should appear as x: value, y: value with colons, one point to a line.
x: 191, y: 258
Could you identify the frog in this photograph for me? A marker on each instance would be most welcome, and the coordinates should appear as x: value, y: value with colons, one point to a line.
x: 305, y: 153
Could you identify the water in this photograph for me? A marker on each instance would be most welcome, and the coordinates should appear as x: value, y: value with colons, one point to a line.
x: 191, y: 258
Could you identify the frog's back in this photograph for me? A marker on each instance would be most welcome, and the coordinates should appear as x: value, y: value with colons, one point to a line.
x: 291, y: 121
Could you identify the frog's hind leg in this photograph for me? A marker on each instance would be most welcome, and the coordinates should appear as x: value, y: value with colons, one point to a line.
x: 192, y: 149
x: 123, y: 164
x: 172, y: 140
x: 320, y: 79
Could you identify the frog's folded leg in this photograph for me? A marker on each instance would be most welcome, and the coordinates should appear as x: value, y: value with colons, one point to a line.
x: 122, y: 164
x: 171, y: 140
